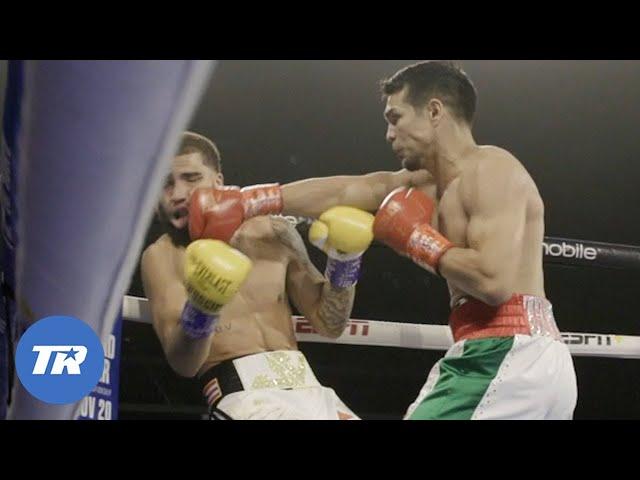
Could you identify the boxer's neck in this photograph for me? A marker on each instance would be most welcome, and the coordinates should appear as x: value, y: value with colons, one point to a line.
x: 453, y: 149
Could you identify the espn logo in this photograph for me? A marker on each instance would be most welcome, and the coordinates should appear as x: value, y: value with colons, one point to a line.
x: 68, y: 357
x: 588, y: 339
x: 355, y: 328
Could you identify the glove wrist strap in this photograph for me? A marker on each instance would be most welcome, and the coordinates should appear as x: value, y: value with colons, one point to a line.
x: 262, y: 200
x: 343, y: 273
x: 197, y: 324
x: 426, y: 245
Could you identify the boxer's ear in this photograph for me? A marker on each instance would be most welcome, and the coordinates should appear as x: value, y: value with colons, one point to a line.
x: 435, y: 109
x: 218, y: 180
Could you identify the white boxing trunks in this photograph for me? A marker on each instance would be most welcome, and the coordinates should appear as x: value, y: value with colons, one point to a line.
x: 276, y: 385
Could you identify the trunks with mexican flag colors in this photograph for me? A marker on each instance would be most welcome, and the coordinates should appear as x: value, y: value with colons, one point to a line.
x: 508, y: 362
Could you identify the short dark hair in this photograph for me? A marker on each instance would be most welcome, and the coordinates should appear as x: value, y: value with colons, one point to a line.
x: 443, y: 79
x: 195, y: 143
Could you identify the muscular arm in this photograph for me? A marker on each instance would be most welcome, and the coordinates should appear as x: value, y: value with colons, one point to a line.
x: 167, y: 296
x: 495, y: 201
x: 312, y: 197
x: 327, y: 308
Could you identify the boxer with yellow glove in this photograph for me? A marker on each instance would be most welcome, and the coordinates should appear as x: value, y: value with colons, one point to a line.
x: 235, y: 333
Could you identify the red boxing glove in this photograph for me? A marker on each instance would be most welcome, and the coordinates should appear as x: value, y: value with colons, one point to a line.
x: 216, y: 213
x: 403, y: 223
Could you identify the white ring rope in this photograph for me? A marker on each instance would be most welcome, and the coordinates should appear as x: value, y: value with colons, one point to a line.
x: 420, y: 336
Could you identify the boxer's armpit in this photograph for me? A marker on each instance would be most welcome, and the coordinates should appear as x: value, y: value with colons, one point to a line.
x: 288, y: 236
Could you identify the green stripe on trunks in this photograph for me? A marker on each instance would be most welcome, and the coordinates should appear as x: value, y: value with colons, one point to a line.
x: 464, y: 380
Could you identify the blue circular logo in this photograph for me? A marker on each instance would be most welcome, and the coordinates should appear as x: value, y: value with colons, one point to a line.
x: 59, y: 359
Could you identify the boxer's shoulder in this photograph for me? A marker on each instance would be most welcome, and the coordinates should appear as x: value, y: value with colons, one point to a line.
x: 160, y: 250
x: 491, y: 166
x: 255, y: 228
x: 163, y: 244
x: 262, y: 236
x: 267, y: 226
x: 493, y: 172
x: 495, y: 158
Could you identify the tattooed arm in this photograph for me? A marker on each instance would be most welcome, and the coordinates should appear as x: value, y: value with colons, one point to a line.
x: 326, y: 307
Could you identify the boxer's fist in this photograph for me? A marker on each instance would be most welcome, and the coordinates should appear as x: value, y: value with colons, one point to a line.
x: 343, y: 233
x: 342, y: 230
x: 403, y: 223
x: 213, y: 273
x: 216, y: 213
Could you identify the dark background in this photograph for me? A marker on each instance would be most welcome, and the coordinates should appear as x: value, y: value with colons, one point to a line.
x: 573, y: 124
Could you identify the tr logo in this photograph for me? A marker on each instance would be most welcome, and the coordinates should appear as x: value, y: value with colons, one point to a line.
x: 68, y: 357
x: 59, y: 359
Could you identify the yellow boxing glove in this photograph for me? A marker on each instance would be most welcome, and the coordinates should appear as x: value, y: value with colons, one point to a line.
x: 344, y: 234
x: 213, y: 273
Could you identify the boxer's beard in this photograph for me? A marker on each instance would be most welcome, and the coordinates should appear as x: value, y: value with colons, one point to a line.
x: 178, y: 236
x: 412, y: 164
